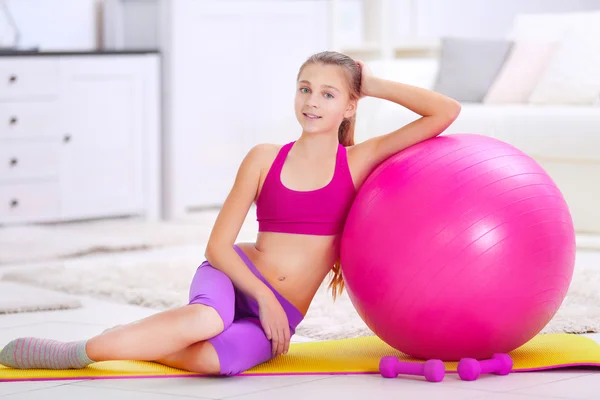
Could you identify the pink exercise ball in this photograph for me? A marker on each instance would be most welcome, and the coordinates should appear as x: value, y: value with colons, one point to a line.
x: 459, y: 246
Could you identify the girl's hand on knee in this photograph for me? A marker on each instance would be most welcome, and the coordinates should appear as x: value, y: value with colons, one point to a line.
x: 275, y: 324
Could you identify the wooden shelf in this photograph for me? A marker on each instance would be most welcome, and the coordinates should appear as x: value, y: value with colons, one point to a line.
x: 363, y: 52
x: 408, y: 48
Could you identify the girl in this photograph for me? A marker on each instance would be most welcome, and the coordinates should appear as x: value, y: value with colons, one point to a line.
x: 247, y: 299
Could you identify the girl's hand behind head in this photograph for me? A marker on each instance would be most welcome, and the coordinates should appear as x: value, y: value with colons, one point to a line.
x: 365, y: 77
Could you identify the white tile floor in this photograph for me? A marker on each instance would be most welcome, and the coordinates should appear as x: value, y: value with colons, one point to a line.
x: 96, y: 315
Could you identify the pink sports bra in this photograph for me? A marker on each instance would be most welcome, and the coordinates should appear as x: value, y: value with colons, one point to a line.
x: 317, y: 212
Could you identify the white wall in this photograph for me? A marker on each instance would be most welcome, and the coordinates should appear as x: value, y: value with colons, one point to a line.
x: 75, y: 24
x: 54, y: 24
x: 485, y: 18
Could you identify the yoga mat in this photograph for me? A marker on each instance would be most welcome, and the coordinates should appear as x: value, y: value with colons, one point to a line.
x: 345, y: 356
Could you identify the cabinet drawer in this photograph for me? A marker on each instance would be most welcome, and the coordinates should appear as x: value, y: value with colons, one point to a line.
x: 29, y: 77
x: 30, y: 119
x: 24, y: 160
x: 23, y: 202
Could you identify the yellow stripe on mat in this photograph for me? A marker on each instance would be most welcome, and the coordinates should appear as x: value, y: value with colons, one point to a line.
x: 345, y: 356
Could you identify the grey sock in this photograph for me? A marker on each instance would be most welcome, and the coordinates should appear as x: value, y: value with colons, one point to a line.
x: 34, y: 353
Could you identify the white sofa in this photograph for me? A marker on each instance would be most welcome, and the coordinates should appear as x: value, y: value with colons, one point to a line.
x: 565, y: 140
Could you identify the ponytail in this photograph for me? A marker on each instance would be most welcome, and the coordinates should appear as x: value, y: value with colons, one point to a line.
x: 346, y: 131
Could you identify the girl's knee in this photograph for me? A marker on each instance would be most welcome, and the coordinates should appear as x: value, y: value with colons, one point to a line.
x: 205, y: 321
x: 213, y: 290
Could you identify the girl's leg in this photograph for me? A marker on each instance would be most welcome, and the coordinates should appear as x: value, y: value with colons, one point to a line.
x: 241, y: 346
x: 209, y: 312
x: 148, y: 339
x: 158, y: 335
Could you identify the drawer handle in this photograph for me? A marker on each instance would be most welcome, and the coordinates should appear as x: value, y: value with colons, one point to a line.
x: 14, y: 203
x: 13, y: 121
x: 13, y: 162
x: 12, y: 79
x: 67, y: 138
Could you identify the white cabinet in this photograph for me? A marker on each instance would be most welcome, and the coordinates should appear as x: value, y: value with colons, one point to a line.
x: 79, y: 137
x: 229, y: 80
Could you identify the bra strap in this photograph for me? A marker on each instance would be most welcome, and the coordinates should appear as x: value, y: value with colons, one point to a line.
x: 342, y: 162
x: 277, y: 165
x: 281, y: 156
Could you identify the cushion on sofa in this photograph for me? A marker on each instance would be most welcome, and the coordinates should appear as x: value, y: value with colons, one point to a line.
x: 572, y: 72
x: 521, y: 72
x: 468, y: 67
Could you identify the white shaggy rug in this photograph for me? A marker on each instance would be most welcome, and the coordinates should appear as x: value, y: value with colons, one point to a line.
x: 33, y: 243
x: 15, y: 298
x: 163, y: 285
x: 38, y: 243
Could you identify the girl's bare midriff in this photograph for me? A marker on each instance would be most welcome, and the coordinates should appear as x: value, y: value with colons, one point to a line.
x: 295, y: 265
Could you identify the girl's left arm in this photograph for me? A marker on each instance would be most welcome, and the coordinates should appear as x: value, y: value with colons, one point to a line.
x: 437, y: 113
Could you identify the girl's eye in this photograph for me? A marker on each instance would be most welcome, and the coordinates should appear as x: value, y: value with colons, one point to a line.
x: 306, y: 90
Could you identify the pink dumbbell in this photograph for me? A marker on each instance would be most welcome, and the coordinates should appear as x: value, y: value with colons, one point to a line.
x: 469, y: 369
x: 432, y: 370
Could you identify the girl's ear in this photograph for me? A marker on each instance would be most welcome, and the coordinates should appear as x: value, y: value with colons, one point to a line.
x: 350, y: 109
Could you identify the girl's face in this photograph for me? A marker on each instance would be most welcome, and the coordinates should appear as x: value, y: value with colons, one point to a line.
x: 322, y: 98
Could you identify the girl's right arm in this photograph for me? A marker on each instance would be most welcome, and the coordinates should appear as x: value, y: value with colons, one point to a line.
x: 222, y: 255
x: 219, y: 250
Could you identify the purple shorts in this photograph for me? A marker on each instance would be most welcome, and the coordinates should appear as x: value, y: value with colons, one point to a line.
x: 243, y: 343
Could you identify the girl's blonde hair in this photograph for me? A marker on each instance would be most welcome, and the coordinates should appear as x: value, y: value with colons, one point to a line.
x: 346, y: 129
